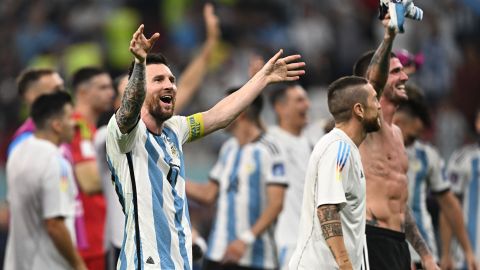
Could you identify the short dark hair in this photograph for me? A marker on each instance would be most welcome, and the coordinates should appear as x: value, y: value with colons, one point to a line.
x: 152, y: 58
x: 253, y: 110
x: 361, y: 65
x: 84, y: 75
x: 30, y: 76
x: 279, y: 91
x: 48, y: 106
x: 415, y: 105
x: 343, y: 94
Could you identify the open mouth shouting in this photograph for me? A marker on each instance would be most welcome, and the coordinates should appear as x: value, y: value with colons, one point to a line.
x: 167, y: 99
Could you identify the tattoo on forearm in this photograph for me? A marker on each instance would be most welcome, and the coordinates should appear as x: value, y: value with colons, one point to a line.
x: 330, y: 221
x: 379, y: 66
x: 413, y: 235
x: 132, y: 101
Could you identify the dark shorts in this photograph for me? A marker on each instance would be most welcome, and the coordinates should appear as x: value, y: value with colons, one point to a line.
x: 387, y: 249
x: 211, y: 265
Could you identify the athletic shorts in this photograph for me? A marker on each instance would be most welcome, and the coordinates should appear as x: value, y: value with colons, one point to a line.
x: 211, y: 265
x: 387, y: 249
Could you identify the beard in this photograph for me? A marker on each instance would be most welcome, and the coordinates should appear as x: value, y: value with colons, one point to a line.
x: 155, y: 109
x: 372, y: 124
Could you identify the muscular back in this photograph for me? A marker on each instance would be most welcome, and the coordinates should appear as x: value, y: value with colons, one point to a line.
x: 385, y: 163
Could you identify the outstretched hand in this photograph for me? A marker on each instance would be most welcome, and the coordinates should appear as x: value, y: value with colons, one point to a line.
x: 390, y: 31
x: 211, y: 22
x: 140, y: 46
x: 283, y: 69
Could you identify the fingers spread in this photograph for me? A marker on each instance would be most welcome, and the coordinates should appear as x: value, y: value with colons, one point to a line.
x: 275, y: 57
x: 293, y: 66
x: 292, y: 58
x: 293, y: 73
x: 154, y: 38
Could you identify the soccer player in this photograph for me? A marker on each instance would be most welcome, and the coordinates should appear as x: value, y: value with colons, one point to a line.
x: 463, y: 170
x: 248, y: 183
x: 425, y: 173
x: 290, y: 103
x: 332, y: 224
x: 41, y: 192
x: 94, y: 95
x: 145, y: 156
x: 389, y: 220
x: 31, y: 84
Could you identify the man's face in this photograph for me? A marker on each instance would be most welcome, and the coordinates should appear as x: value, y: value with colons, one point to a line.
x: 67, y: 124
x: 395, y: 86
x: 100, y: 93
x: 294, y: 109
x: 47, y: 84
x: 161, y: 92
x: 411, y: 126
x: 371, y: 120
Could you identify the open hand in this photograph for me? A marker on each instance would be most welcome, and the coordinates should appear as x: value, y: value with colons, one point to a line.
x: 211, y: 22
x: 140, y: 45
x: 390, y: 31
x: 283, y: 69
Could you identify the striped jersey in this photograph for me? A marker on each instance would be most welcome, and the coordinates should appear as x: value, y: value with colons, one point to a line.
x: 335, y: 175
x: 464, y: 173
x: 298, y: 149
x: 425, y: 173
x: 243, y: 173
x: 149, y: 176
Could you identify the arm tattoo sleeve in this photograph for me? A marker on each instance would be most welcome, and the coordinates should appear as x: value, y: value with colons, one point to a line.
x: 379, y: 66
x: 330, y: 221
x: 132, y: 101
x: 413, y: 235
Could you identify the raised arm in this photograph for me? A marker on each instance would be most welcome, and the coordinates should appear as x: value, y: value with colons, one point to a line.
x: 196, y: 70
x: 275, y: 70
x: 418, y: 243
x: 134, y: 95
x: 329, y: 217
x: 378, y: 69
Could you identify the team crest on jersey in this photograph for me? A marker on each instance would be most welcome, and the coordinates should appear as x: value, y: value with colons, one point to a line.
x: 173, y: 149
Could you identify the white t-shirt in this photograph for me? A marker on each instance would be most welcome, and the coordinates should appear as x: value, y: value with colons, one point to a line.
x: 334, y: 176
x: 464, y: 173
x: 298, y: 149
x: 425, y: 172
x: 243, y: 173
x: 40, y: 186
x: 159, y: 172
x: 115, y: 218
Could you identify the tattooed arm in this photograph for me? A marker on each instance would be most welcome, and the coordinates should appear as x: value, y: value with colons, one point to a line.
x: 418, y: 243
x: 129, y: 111
x: 378, y: 69
x: 329, y: 217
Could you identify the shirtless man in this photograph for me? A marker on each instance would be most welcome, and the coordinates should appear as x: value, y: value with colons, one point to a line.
x: 389, y: 221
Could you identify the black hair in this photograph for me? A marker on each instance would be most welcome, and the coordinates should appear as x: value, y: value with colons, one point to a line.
x: 279, y: 92
x: 343, y: 94
x: 49, y: 106
x: 30, y: 76
x: 253, y: 110
x: 415, y: 105
x: 360, y: 67
x: 84, y: 75
x: 152, y: 58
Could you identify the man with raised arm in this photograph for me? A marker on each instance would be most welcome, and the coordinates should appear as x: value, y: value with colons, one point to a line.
x: 332, y: 223
x: 144, y: 152
x: 389, y: 220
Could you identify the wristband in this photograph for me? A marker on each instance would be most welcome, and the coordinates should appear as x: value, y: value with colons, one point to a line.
x: 247, y: 237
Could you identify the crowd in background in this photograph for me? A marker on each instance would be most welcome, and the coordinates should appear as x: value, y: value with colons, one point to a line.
x: 330, y: 35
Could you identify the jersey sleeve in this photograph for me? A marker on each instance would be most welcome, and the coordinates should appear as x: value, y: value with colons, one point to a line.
x: 123, y: 142
x: 188, y: 128
x: 332, y: 174
x: 275, y: 167
x: 438, y: 181
x: 457, y: 172
x: 55, y: 190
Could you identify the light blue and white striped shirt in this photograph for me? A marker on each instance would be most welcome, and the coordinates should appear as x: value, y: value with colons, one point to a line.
x: 425, y: 172
x: 243, y: 173
x: 157, y: 225
x: 464, y: 173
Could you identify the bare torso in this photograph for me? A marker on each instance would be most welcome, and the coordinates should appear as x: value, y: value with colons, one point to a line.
x: 385, y: 163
